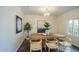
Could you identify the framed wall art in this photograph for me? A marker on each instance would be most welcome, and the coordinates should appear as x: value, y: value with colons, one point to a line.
x: 18, y: 24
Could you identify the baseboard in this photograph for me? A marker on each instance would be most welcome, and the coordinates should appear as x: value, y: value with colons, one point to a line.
x: 19, y: 45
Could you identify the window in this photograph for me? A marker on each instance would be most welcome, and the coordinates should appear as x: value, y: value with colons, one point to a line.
x: 70, y: 26
x: 73, y: 26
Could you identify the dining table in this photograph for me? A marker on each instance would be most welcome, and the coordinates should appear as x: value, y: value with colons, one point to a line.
x: 45, y: 36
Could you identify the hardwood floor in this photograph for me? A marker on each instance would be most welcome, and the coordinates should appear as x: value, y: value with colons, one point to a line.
x: 25, y: 47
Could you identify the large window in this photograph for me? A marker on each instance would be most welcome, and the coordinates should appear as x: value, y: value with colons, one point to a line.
x: 70, y: 26
x: 73, y: 26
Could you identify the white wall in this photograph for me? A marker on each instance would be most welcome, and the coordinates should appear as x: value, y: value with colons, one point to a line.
x: 62, y: 24
x: 9, y: 40
x: 33, y: 19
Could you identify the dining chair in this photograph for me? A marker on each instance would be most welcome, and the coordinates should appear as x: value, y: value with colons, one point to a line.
x: 35, y: 43
x: 66, y: 43
x: 52, y: 44
x: 35, y: 34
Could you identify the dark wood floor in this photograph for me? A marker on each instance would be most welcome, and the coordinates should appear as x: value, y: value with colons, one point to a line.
x: 25, y: 47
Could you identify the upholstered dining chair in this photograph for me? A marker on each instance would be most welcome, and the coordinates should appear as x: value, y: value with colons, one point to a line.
x: 66, y: 44
x: 52, y: 43
x: 35, y: 43
x: 35, y: 34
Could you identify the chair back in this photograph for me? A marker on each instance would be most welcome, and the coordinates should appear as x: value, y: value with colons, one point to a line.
x: 50, y: 38
x: 68, y: 39
x: 35, y: 43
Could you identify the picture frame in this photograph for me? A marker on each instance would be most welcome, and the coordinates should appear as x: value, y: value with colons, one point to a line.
x: 40, y: 26
x: 18, y: 24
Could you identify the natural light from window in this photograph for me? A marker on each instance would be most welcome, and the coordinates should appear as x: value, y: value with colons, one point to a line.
x: 73, y: 27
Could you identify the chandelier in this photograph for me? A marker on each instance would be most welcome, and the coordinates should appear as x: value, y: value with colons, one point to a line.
x: 46, y: 11
x: 47, y: 14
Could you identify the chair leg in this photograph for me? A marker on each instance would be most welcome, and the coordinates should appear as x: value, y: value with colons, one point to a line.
x: 48, y: 49
x: 41, y: 50
x: 70, y: 48
x: 30, y: 50
x: 45, y: 47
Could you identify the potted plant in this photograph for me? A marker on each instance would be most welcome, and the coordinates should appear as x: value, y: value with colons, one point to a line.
x: 46, y: 25
x: 27, y: 27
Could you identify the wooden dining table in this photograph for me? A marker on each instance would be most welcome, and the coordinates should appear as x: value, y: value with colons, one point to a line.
x: 45, y: 36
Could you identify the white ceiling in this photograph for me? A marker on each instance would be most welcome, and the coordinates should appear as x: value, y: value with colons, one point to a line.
x: 53, y: 10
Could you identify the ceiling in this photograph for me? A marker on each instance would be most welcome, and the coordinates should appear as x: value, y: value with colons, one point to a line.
x: 53, y: 10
